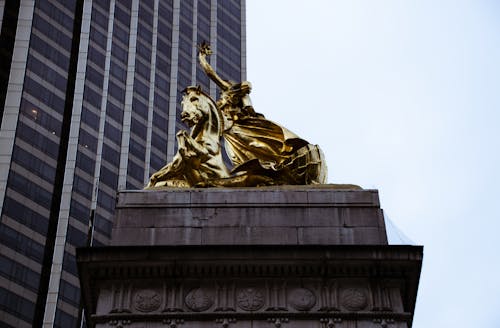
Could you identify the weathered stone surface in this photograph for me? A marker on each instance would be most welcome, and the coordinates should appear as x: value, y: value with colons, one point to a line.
x: 318, y: 194
x: 198, y: 285
x: 249, y: 235
x: 278, y: 215
x: 289, y: 257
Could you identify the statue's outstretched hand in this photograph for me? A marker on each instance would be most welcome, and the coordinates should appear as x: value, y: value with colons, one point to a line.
x: 204, y: 49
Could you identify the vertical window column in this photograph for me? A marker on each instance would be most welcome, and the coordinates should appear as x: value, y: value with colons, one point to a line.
x: 194, y: 52
x: 14, y: 92
x: 102, y: 119
x: 62, y: 224
x: 243, y: 48
x: 173, y: 85
x: 129, y: 93
x: 152, y: 79
x: 213, y: 45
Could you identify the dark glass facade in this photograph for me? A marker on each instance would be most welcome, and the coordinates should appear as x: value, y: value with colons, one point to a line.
x: 96, y: 111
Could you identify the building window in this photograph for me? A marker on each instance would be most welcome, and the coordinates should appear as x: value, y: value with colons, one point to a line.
x: 139, y: 108
x: 22, y: 214
x: 69, y: 293
x: 114, y: 112
x: 79, y: 211
x: 109, y: 178
x: 103, y: 225
x: 87, y: 140
x: 34, y: 164
x: 64, y: 320
x: 82, y: 187
x: 16, y: 305
x: 106, y: 201
x: 112, y: 133
x: 110, y: 155
x: 30, y: 189
x: 85, y: 163
x: 137, y: 149
x: 21, y: 243
x: 18, y: 273
x: 76, y: 237
x: 69, y: 264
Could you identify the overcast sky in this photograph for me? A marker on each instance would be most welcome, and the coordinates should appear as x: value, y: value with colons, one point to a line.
x: 402, y: 96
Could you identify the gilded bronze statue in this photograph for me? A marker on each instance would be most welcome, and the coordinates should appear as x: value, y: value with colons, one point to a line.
x: 261, y: 152
x: 199, y: 157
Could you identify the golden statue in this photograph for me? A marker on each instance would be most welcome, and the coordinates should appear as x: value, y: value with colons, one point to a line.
x: 262, y: 152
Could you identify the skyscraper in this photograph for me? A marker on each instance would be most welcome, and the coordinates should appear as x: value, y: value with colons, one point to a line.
x: 89, y: 100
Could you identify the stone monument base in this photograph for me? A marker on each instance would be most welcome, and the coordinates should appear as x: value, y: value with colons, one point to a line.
x: 267, y: 257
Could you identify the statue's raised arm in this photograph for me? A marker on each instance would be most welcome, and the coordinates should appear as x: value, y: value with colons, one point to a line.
x: 204, y: 51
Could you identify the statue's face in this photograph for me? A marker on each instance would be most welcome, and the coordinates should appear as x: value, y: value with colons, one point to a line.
x: 191, y: 109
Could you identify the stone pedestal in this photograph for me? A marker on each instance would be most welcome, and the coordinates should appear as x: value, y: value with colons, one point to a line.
x: 257, y: 257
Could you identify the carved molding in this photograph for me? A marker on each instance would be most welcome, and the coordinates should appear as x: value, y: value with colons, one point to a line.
x: 277, y: 322
x: 354, y: 298
x: 301, y: 284
x: 199, y: 299
x: 147, y: 300
x: 225, y: 296
x: 172, y: 294
x: 276, y: 295
x: 302, y: 299
x: 384, y: 322
x: 173, y: 323
x: 250, y: 299
x: 225, y: 322
x: 328, y: 296
x: 329, y: 322
x: 119, y: 323
x: 121, y: 297
x: 251, y: 295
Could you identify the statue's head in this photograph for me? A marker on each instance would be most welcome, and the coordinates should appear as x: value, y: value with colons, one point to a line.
x: 192, y: 109
x: 196, y: 106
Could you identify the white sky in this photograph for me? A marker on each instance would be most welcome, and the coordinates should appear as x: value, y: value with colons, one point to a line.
x: 402, y: 96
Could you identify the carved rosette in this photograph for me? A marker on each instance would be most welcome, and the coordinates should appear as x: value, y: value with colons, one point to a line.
x: 199, y: 299
x: 302, y: 299
x: 147, y: 300
x: 354, y: 298
x: 250, y: 299
x: 244, y: 297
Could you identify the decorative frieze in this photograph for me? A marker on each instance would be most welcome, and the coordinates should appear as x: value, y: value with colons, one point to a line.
x: 307, y: 295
